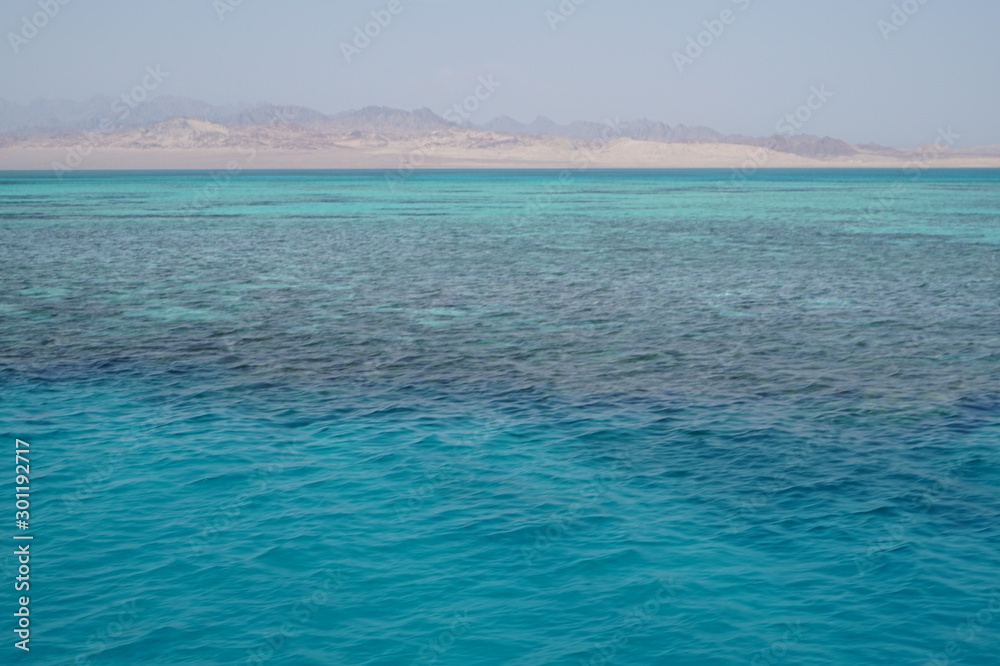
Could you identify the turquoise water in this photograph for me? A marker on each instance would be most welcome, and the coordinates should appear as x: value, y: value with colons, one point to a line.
x: 505, y: 417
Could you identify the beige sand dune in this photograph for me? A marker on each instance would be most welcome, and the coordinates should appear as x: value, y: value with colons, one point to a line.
x: 198, y: 144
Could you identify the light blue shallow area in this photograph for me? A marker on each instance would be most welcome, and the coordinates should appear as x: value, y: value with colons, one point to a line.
x: 524, y: 418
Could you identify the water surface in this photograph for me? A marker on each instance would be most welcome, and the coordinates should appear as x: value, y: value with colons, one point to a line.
x: 522, y: 418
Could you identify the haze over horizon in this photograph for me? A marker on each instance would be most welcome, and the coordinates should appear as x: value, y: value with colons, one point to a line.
x: 894, y: 83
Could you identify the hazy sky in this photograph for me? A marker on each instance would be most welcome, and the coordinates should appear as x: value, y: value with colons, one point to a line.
x: 940, y: 68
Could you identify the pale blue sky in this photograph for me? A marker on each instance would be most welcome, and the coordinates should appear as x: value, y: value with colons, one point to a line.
x: 941, y: 68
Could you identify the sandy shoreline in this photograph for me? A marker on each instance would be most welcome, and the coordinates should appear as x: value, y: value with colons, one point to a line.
x: 622, y: 154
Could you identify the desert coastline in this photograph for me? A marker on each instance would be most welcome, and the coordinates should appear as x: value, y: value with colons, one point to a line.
x: 627, y: 155
x: 381, y: 138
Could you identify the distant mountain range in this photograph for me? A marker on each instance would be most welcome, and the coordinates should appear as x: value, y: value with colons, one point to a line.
x: 48, y: 116
x: 651, y: 130
x: 103, y: 113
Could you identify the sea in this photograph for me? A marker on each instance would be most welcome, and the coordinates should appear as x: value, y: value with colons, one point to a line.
x: 520, y: 418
